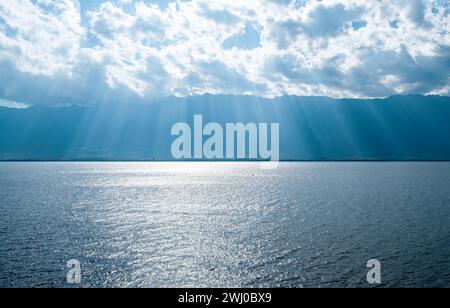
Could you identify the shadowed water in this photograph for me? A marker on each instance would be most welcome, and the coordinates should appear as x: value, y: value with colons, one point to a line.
x: 224, y: 225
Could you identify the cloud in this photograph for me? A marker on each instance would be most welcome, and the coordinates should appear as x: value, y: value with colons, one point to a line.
x: 380, y: 72
x: 64, y: 52
x: 220, y: 16
x: 329, y: 20
x: 401, y: 71
x: 248, y: 39
x: 15, y: 105
x: 220, y: 78
x: 40, y: 37
x: 417, y: 12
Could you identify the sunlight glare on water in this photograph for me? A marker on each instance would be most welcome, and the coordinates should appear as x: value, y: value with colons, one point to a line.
x: 224, y: 224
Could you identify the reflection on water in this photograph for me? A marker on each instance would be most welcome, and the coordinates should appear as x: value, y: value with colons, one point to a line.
x: 223, y: 224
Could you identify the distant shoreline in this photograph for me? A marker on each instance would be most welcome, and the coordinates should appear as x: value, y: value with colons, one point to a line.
x: 409, y: 128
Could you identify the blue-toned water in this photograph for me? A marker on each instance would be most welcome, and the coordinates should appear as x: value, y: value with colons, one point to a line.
x: 224, y: 225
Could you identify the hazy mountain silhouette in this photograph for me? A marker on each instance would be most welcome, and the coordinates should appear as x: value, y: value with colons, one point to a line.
x: 311, y: 128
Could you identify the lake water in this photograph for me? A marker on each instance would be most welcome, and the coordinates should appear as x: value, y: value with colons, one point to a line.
x: 224, y: 224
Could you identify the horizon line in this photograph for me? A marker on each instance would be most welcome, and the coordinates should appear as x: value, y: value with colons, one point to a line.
x: 23, y: 106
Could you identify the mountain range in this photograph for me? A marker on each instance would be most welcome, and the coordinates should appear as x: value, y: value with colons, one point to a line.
x: 410, y: 127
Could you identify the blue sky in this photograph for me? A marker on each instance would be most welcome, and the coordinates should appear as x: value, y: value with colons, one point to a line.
x: 88, y: 52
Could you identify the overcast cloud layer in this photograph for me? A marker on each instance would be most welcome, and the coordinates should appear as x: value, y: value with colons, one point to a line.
x: 85, y: 52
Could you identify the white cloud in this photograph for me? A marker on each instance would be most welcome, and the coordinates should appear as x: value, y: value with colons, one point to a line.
x: 40, y: 37
x: 136, y: 50
x: 15, y: 105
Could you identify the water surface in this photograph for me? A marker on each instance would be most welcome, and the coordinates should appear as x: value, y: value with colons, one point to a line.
x: 224, y: 224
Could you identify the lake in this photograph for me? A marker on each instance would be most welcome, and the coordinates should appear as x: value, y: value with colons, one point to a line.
x: 224, y: 224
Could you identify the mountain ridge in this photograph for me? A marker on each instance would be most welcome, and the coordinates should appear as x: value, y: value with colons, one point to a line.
x: 208, y: 95
x: 411, y: 127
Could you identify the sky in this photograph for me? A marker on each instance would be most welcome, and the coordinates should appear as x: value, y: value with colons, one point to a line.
x: 88, y: 52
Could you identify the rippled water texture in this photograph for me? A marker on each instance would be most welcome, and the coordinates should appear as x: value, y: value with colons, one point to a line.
x: 224, y: 225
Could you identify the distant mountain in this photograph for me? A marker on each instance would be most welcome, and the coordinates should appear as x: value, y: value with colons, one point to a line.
x: 311, y: 128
